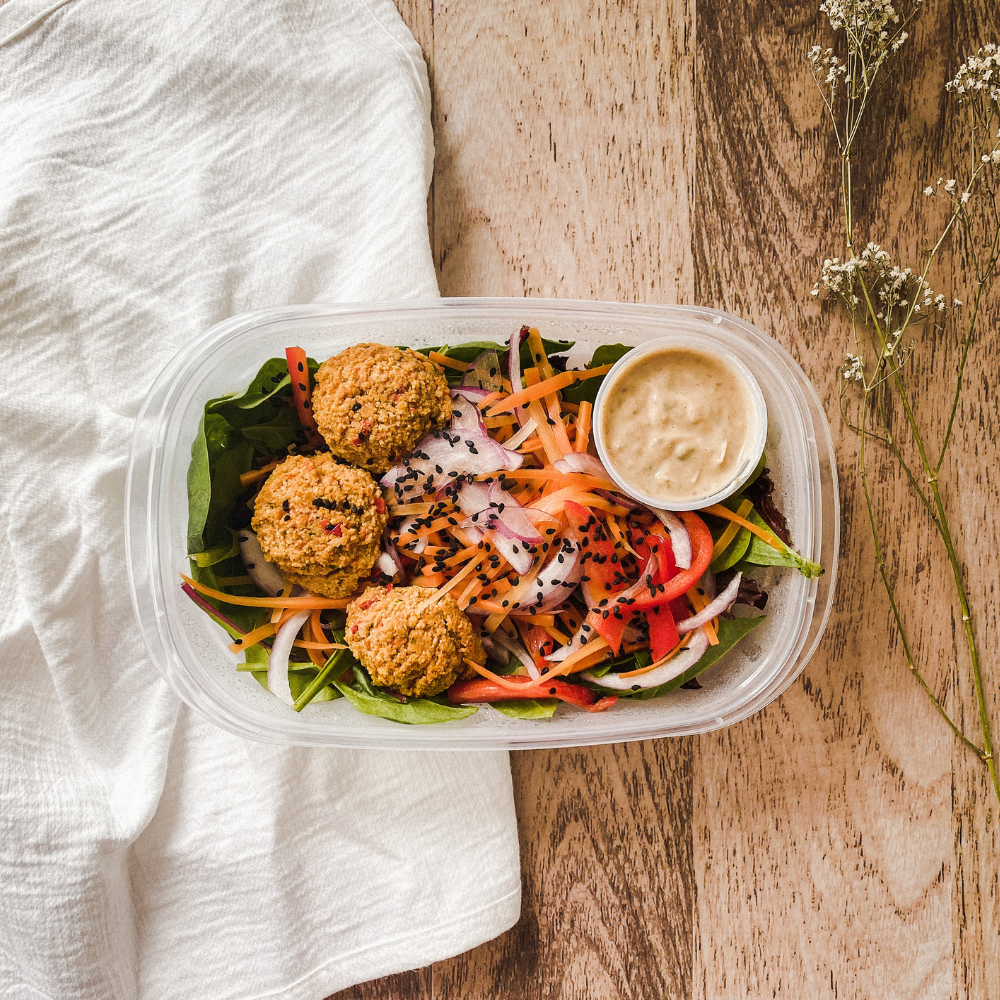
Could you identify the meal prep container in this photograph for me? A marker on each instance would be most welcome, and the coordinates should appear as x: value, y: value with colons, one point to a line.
x: 191, y: 650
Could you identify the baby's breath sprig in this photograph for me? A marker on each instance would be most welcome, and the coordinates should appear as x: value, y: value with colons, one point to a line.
x: 885, y: 301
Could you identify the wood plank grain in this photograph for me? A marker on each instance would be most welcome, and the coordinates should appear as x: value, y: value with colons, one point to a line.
x: 825, y: 847
x: 564, y: 148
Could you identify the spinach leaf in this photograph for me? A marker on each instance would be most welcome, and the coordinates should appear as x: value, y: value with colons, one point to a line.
x: 298, y: 681
x: 413, y: 712
x: 760, y: 553
x: 606, y: 354
x: 199, y: 487
x: 469, y: 352
x: 733, y: 552
x: 527, y: 708
x: 275, y: 435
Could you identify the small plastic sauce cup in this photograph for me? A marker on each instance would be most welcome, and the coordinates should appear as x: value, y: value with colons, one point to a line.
x: 753, y: 445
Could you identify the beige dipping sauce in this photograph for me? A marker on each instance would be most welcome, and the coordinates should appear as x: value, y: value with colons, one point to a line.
x: 675, y: 424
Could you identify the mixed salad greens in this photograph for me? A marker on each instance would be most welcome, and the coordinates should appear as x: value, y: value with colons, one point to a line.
x: 582, y: 594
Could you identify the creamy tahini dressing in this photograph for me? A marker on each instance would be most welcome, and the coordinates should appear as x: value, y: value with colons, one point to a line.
x: 676, y: 424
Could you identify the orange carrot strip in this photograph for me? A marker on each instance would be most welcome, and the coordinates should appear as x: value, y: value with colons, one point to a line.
x: 316, y: 631
x: 491, y: 398
x: 548, y: 623
x: 440, y: 359
x: 252, y: 638
x: 544, y: 388
x: 594, y: 652
x: 719, y: 511
x: 502, y: 681
x: 583, y: 425
x: 255, y: 475
x: 470, y: 567
x: 429, y: 581
x: 304, y: 644
x: 299, y: 603
x: 545, y: 434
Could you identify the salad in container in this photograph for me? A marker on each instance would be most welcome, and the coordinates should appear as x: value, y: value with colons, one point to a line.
x: 403, y: 537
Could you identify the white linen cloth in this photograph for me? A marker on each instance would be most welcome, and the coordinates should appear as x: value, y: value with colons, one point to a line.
x: 163, y: 166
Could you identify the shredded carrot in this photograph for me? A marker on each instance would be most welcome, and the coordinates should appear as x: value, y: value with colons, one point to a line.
x: 256, y: 475
x: 298, y: 603
x: 731, y: 529
x: 616, y: 530
x: 316, y: 630
x: 252, y: 638
x: 491, y: 398
x: 587, y: 656
x: 304, y: 644
x: 550, y: 627
x: 719, y: 511
x: 544, y: 388
x: 538, y: 354
x: 472, y: 565
x: 699, y: 602
x: 445, y: 362
x: 497, y: 422
x: 502, y: 681
x: 429, y: 581
x: 583, y: 427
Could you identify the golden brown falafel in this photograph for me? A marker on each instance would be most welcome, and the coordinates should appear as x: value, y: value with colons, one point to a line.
x: 417, y: 653
x: 321, y: 523
x: 374, y: 403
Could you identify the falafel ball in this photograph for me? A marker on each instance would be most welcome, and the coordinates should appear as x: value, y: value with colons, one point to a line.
x: 417, y: 653
x: 374, y: 403
x: 321, y: 523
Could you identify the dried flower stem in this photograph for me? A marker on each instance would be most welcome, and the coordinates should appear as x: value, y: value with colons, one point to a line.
x: 884, y: 300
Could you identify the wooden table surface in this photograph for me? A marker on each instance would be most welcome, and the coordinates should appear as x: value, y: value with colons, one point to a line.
x: 840, y: 843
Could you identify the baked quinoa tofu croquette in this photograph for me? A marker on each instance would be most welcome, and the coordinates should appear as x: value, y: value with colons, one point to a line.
x: 373, y: 404
x: 417, y: 653
x: 321, y: 523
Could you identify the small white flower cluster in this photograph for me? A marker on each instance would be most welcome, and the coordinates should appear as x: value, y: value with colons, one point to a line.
x: 825, y: 65
x: 852, y: 368
x: 979, y: 74
x: 861, y: 17
x: 888, y: 286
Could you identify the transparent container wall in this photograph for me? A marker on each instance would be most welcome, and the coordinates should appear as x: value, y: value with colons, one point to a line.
x: 191, y: 650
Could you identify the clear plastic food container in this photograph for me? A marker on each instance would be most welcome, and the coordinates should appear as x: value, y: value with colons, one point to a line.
x: 191, y: 650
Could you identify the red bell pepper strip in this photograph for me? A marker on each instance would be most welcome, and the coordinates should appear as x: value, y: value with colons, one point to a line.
x: 610, y: 623
x: 537, y: 641
x: 298, y: 372
x: 663, y: 634
x: 601, y: 559
x: 483, y: 690
x: 701, y: 556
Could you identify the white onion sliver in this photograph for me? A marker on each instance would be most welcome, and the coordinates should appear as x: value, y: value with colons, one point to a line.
x: 513, y: 646
x: 277, y: 665
x: 680, y: 540
x: 722, y: 603
x: 522, y: 435
x: 556, y: 581
x: 673, y: 668
x: 265, y: 574
x: 465, y: 415
x: 512, y: 517
x: 582, y: 462
x: 387, y: 564
x: 580, y: 638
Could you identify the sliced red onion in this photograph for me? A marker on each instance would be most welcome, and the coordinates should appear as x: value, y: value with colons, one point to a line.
x: 443, y: 456
x: 619, y: 498
x: 555, y: 581
x: 522, y: 435
x: 465, y: 415
x: 514, y: 522
x: 473, y: 497
x: 265, y: 574
x: 484, y: 373
x: 214, y: 612
x: 680, y: 540
x: 513, y: 646
x: 582, y: 462
x: 277, y: 666
x: 722, y: 603
x: 673, y: 668
x: 516, y: 552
